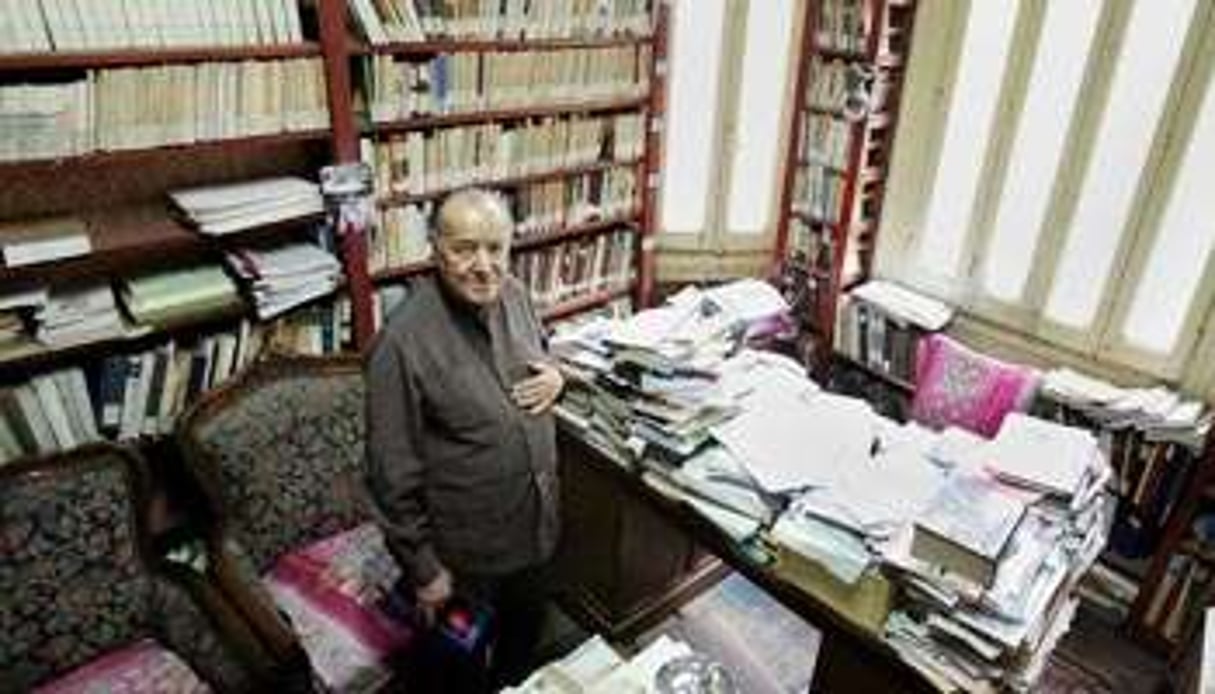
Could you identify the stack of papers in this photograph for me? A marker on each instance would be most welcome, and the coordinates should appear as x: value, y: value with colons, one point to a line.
x: 595, y: 668
x: 1042, y: 455
x: 167, y: 297
x: 72, y: 315
x: 905, y: 305
x: 1160, y: 412
x: 286, y: 276
x: 233, y: 207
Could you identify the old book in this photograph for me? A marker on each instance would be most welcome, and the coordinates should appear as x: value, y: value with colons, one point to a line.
x: 965, y: 528
x: 26, y: 242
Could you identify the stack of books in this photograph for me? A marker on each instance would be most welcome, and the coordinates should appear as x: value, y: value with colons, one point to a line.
x: 166, y: 298
x: 72, y: 315
x: 654, y: 381
x: 232, y: 207
x: 26, y: 242
x: 990, y: 569
x: 50, y: 412
x: 285, y: 276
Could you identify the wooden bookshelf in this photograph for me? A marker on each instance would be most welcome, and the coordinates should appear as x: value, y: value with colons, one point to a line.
x: 516, y: 180
x: 143, y: 57
x: 547, y: 238
x: 854, y: 190
x: 235, y: 146
x: 509, y: 114
x: 129, y: 240
x: 585, y: 303
x: 530, y: 242
x: 426, y: 48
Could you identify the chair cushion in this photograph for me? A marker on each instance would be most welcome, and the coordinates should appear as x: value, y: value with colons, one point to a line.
x: 335, y: 593
x: 143, y: 667
x: 956, y: 386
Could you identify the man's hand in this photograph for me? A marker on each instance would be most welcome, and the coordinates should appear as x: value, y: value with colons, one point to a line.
x: 536, y: 393
x: 432, y: 596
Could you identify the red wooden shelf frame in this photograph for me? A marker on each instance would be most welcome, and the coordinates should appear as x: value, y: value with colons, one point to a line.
x: 398, y: 199
x: 431, y: 47
x: 137, y: 57
x: 236, y: 144
x: 521, y: 245
x: 445, y: 120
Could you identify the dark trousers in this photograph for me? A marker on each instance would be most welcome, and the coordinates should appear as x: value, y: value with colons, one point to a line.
x: 517, y: 601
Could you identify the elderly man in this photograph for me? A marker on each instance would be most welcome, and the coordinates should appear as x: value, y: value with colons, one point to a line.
x: 461, y: 452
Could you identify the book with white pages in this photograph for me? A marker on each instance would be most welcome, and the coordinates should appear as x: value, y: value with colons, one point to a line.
x: 218, y: 197
x: 1041, y: 455
x: 26, y: 242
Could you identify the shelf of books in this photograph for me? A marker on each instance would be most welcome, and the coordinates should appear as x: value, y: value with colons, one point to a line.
x: 848, y: 85
x: 160, y: 221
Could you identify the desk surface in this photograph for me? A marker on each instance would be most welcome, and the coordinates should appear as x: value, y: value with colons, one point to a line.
x: 850, y: 658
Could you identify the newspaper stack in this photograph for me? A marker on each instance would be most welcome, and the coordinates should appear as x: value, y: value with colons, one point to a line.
x: 286, y: 276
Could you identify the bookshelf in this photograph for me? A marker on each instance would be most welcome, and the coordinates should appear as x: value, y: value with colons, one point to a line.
x: 848, y: 85
x: 295, y: 100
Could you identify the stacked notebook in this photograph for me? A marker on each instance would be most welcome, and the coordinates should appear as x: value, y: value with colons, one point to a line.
x: 232, y: 207
x: 79, y: 314
x: 25, y: 242
x: 286, y: 276
x: 168, y: 297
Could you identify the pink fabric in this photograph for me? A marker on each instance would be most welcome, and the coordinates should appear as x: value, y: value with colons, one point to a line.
x: 956, y: 386
x: 333, y: 591
x: 141, y: 668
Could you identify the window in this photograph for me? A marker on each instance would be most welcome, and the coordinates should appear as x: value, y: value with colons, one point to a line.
x: 1054, y: 184
x: 729, y: 76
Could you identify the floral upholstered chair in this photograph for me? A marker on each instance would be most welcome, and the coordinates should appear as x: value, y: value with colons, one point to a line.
x: 956, y: 386
x: 84, y: 608
x: 279, y: 452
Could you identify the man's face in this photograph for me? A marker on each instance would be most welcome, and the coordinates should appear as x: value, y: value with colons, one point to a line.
x: 472, y: 250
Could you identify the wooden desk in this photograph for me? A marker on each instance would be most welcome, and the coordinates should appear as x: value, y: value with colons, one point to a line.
x: 631, y: 555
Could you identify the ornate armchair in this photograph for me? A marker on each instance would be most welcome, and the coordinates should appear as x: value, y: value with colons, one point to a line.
x: 279, y: 454
x: 956, y: 386
x: 85, y: 607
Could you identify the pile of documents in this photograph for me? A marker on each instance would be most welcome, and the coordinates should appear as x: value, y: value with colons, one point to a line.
x: 232, y: 207
x: 905, y: 305
x: 71, y: 315
x: 1160, y: 412
x: 168, y: 297
x: 990, y: 566
x: 285, y: 276
x: 655, y: 383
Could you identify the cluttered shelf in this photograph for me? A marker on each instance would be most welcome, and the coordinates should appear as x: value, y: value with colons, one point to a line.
x: 153, y: 56
x: 522, y: 243
x: 423, y: 48
x: 139, y: 155
x: 510, y: 180
x: 585, y: 303
x: 422, y: 122
x: 120, y: 240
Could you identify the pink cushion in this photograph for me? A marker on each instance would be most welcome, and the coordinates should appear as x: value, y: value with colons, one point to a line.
x: 956, y: 386
x: 333, y: 591
x: 144, y: 667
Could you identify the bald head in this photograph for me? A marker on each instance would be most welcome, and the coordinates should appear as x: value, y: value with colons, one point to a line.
x: 474, y: 207
x: 473, y: 228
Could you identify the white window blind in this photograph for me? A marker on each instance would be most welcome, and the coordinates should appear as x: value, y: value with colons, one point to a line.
x: 1151, y: 49
x: 984, y: 53
x: 756, y: 147
x: 1072, y: 207
x: 1054, y: 90
x: 696, y: 51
